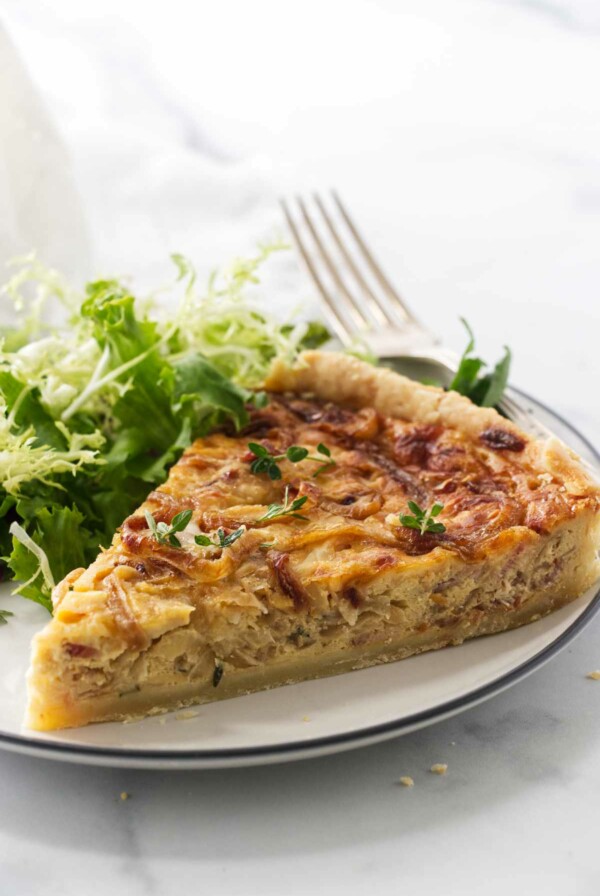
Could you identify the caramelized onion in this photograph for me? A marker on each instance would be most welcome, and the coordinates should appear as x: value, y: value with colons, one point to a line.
x: 287, y: 579
x: 502, y: 440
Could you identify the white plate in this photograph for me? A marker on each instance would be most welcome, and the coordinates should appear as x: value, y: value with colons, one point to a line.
x: 302, y: 720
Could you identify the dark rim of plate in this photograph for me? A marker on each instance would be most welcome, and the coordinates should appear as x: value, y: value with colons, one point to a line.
x: 311, y: 748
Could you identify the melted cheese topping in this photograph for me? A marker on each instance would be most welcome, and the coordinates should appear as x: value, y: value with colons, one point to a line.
x: 353, y: 530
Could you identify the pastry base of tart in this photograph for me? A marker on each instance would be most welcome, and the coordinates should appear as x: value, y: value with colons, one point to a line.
x: 527, y: 579
x: 156, y: 700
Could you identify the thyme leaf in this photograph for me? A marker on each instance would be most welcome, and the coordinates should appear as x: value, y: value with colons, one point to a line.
x: 165, y: 533
x: 288, y: 508
x: 265, y: 462
x: 222, y: 540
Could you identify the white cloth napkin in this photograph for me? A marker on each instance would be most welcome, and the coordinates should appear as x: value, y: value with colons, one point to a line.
x: 135, y: 189
x: 40, y: 207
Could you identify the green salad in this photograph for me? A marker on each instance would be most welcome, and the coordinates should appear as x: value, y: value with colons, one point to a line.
x: 96, y: 410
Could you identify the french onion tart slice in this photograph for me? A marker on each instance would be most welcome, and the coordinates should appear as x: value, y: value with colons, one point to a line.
x: 337, y: 584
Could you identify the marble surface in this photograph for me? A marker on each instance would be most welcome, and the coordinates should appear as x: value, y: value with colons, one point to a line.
x: 464, y: 136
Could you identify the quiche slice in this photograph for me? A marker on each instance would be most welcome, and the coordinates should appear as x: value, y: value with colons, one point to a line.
x: 338, y: 584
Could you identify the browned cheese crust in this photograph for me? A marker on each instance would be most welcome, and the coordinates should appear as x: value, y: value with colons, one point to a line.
x: 147, y: 625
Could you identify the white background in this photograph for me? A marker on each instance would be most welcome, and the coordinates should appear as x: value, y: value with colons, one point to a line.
x: 464, y: 136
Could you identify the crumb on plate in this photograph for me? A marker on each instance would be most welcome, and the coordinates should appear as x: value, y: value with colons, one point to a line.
x: 186, y: 714
x: 124, y: 795
x: 439, y: 768
x: 595, y: 675
x: 407, y: 781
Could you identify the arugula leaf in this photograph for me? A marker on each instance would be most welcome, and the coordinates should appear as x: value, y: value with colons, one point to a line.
x: 4, y: 614
x: 196, y: 380
x: 490, y: 388
x: 147, y: 436
x: 486, y: 390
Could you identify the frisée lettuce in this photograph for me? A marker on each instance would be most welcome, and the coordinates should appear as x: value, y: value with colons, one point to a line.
x: 94, y: 412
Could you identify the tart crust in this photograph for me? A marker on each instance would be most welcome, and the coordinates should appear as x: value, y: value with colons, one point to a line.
x: 150, y: 627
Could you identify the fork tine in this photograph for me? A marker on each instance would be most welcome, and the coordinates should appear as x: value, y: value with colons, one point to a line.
x: 379, y: 309
x: 337, y: 322
x: 351, y: 305
x: 372, y: 264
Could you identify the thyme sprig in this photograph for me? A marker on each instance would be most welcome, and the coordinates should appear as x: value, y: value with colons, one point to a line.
x: 288, y: 508
x: 222, y: 540
x: 423, y: 520
x: 165, y: 533
x: 265, y: 462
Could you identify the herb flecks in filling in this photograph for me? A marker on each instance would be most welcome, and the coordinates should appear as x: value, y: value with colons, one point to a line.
x: 217, y: 675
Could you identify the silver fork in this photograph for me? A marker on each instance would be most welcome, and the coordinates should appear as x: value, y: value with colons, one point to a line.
x: 360, y: 301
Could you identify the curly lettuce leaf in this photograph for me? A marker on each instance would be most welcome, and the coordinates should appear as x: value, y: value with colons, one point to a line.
x: 26, y: 414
